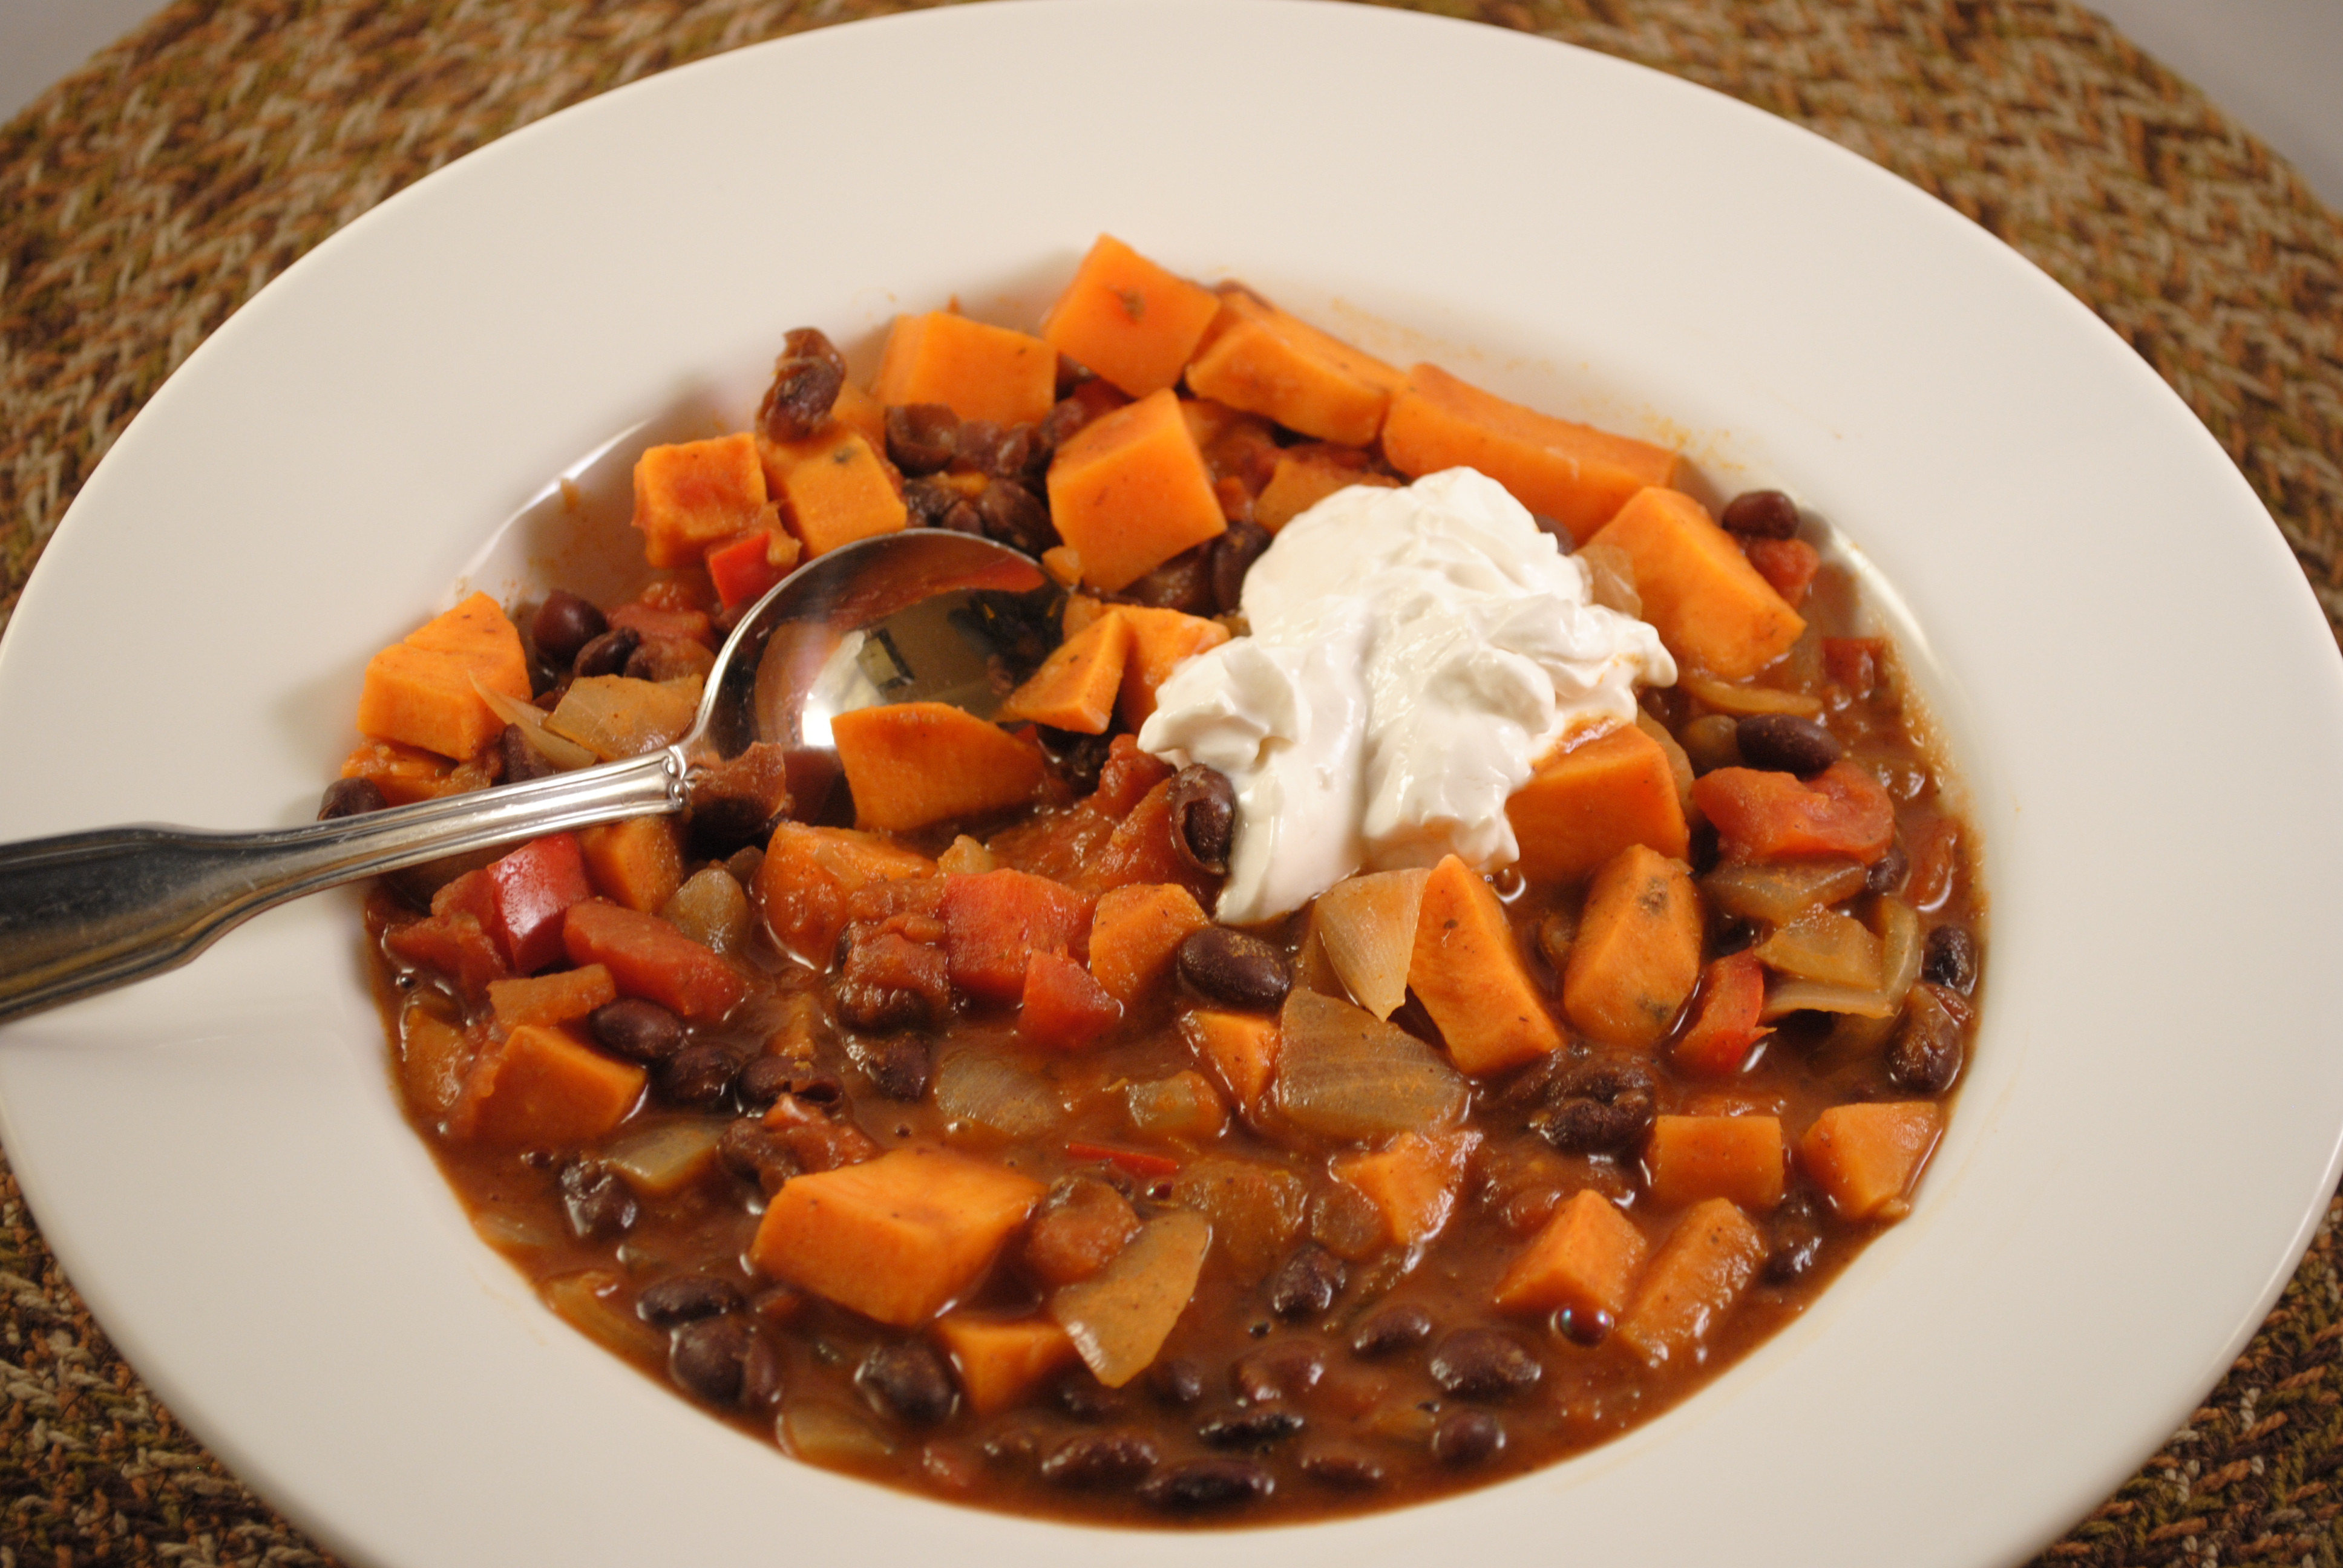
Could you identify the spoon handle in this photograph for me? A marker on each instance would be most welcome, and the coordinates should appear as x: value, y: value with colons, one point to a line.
x: 85, y: 912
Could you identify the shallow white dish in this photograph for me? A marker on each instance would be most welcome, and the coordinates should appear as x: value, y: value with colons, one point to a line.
x: 2130, y: 669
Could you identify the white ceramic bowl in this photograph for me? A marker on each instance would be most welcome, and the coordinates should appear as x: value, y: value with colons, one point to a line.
x: 2128, y: 662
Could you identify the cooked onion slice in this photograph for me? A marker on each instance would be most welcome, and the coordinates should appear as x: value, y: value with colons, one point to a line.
x: 614, y: 716
x: 665, y: 1159
x: 1368, y: 926
x: 1743, y: 700
x: 983, y: 1092
x: 563, y: 754
x: 1826, y: 946
x: 1120, y: 1317
x: 1343, y: 1072
x: 1778, y: 894
x: 1900, y: 948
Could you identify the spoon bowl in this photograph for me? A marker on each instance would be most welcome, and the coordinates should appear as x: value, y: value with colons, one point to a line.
x: 924, y: 615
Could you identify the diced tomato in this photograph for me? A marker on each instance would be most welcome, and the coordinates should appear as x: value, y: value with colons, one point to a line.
x: 650, y: 959
x: 456, y: 945
x: 469, y: 894
x: 679, y: 592
x: 1934, y: 847
x: 744, y: 570
x: 1854, y: 661
x: 1131, y: 1159
x: 651, y: 622
x: 1788, y: 565
x: 994, y: 922
x: 1126, y: 775
x: 1766, y: 816
x: 1065, y: 1006
x: 532, y: 886
x: 1142, y: 850
x: 1725, y: 1026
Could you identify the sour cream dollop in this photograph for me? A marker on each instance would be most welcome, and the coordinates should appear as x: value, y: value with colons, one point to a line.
x: 1412, y: 653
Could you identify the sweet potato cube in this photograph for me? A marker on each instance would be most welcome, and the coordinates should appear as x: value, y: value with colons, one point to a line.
x: 1130, y: 490
x: 1591, y: 799
x: 981, y: 372
x: 1076, y: 687
x: 419, y: 691
x: 1256, y: 358
x: 650, y: 959
x: 1585, y: 1260
x: 1001, y: 1360
x: 1242, y: 1048
x: 1700, y: 593
x: 861, y: 413
x: 1160, y: 641
x: 552, y: 999
x: 546, y: 1088
x: 1305, y: 476
x: 1412, y: 1181
x: 1575, y: 474
x: 1135, y: 935
x: 1865, y: 1158
x: 913, y: 763
x: 435, y: 1059
x: 405, y: 774
x: 995, y: 922
x: 1063, y: 1007
x: 898, y: 1238
x: 810, y: 875
x: 1468, y: 973
x: 1637, y: 955
x: 696, y: 494
x: 1128, y: 319
x: 1699, y: 1274
x: 834, y: 488
x: 1687, y: 1159
x: 637, y: 862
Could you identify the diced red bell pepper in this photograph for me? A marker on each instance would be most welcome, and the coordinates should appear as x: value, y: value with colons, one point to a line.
x: 649, y: 621
x: 454, y: 944
x: 994, y: 922
x: 1065, y: 1006
x: 1131, y: 1159
x: 650, y: 959
x: 1766, y: 816
x: 745, y: 569
x: 1724, y: 1026
x: 1854, y: 661
x: 532, y: 886
x: 1788, y: 565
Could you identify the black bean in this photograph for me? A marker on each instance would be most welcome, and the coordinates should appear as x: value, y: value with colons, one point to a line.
x: 681, y: 1298
x: 709, y: 1356
x: 1768, y: 514
x: 1785, y: 743
x: 607, y: 654
x: 1001, y: 452
x: 1345, y: 1468
x: 1887, y: 872
x: 760, y: 1375
x: 922, y: 438
x: 1556, y: 530
x: 1203, y: 1484
x: 522, y: 760
x: 764, y: 1080
x: 1012, y: 1445
x: 1588, y: 1326
x: 1084, y: 1398
x: 637, y: 1029
x: 1233, y: 968
x: 898, y: 1067
x: 1390, y: 1330
x: 1307, y: 1283
x: 1183, y: 583
x: 1733, y: 935
x: 1951, y: 959
x: 1011, y: 515
x: 700, y: 1075
x: 1484, y: 1363
x: 1796, y: 1240
x: 350, y: 798
x: 597, y: 1201
x: 1597, y: 1106
x: 1096, y: 1460
x: 961, y: 517
x: 564, y: 623
x: 1926, y: 1055
x: 807, y: 379
x: 1079, y: 757
x: 1467, y: 1437
x: 1233, y: 553
x: 1259, y: 1428
x: 1286, y: 1370
x: 755, y: 1152
x: 910, y: 1382
x: 1203, y: 805
x: 1177, y: 1380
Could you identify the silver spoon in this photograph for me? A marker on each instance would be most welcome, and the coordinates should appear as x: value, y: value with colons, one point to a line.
x: 905, y: 616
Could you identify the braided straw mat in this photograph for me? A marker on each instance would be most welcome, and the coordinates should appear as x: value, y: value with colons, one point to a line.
x: 145, y: 199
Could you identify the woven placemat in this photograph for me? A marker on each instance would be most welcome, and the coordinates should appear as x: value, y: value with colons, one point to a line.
x: 145, y: 199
